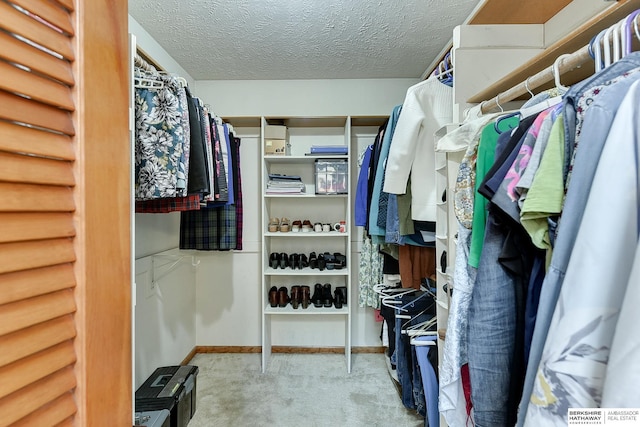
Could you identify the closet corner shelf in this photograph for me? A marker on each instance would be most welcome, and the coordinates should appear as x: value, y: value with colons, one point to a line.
x: 302, y: 159
x: 305, y: 234
x: 311, y: 310
x: 573, y: 41
x: 305, y: 272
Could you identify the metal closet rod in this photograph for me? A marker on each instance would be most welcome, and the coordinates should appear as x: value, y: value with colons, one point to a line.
x: 564, y: 64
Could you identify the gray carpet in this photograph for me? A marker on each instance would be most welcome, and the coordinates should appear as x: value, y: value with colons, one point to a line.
x: 298, y: 390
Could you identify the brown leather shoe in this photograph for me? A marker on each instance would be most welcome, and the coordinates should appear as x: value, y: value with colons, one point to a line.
x: 283, y: 297
x: 273, y: 296
x: 305, y: 296
x: 295, y: 296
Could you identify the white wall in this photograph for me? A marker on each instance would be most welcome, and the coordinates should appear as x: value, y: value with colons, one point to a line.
x: 164, y: 318
x: 303, y: 97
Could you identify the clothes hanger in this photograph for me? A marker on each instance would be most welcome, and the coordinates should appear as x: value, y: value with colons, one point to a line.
x: 404, y: 328
x: 147, y: 83
x: 556, y: 72
x: 608, y: 56
x: 413, y: 301
x: 380, y: 288
x: 392, y: 301
x: 548, y: 103
x: 597, y: 57
x: 498, y: 103
x: 426, y: 340
x: 627, y: 36
x: 526, y: 86
x: 422, y: 328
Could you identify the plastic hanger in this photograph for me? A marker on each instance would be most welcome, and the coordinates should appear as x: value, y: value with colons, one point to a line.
x: 496, y: 124
x: 413, y: 301
x: 526, y: 86
x: 556, y: 73
x: 422, y: 328
x: 626, y: 29
x: 607, y: 56
x: 597, y: 52
x: 540, y: 107
x: 427, y: 340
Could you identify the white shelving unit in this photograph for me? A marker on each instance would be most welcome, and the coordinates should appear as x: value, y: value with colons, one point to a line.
x: 330, y: 208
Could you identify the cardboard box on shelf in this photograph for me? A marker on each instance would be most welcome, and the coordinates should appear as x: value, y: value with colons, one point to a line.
x: 275, y: 132
x: 275, y: 147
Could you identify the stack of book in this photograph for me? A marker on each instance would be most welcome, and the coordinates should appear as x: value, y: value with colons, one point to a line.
x: 324, y: 150
x: 285, y: 184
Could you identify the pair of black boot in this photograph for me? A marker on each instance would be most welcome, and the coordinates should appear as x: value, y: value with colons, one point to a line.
x: 335, y: 261
x: 322, y: 296
x: 283, y: 260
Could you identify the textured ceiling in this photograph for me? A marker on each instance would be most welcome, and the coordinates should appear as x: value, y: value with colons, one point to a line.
x: 302, y: 39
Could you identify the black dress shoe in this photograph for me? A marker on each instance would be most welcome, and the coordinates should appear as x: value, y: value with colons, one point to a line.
x: 317, y: 298
x: 292, y: 261
x: 337, y: 299
x: 340, y: 259
x: 327, y: 299
x: 273, y: 296
x: 302, y: 262
x: 322, y: 263
x: 341, y: 293
x: 274, y: 260
x: 284, y: 259
x: 313, y: 260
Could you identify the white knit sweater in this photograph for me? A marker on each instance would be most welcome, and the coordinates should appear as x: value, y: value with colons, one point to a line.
x: 427, y: 107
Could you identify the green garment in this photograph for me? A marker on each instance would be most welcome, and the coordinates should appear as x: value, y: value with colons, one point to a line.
x: 546, y: 195
x: 404, y: 211
x: 486, y: 157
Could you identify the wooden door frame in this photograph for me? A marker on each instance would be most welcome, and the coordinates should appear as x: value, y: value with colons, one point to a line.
x: 103, y: 218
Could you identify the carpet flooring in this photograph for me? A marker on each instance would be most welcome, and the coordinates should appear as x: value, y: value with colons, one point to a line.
x: 298, y: 390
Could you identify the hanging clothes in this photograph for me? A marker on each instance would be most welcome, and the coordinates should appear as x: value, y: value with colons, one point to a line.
x: 572, y: 368
x: 216, y: 227
x: 160, y: 137
x: 573, y: 206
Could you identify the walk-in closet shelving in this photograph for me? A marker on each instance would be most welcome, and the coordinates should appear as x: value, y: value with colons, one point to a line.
x: 316, y: 208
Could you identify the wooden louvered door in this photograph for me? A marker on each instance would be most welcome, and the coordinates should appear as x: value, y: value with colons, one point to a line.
x: 65, y: 296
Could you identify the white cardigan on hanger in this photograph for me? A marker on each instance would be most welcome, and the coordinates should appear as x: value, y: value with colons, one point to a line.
x: 427, y: 107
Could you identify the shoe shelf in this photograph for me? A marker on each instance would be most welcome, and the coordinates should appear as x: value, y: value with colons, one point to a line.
x: 305, y: 272
x: 300, y: 234
x: 311, y: 310
x: 302, y: 134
